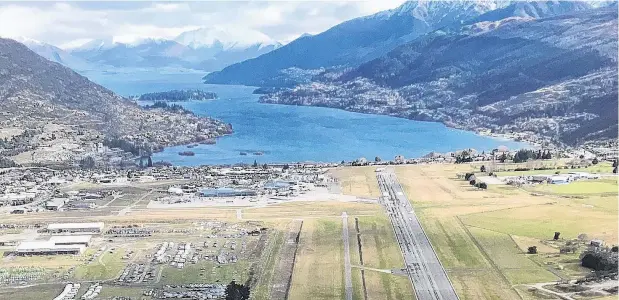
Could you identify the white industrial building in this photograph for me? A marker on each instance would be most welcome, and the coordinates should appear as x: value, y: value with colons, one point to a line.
x: 70, y: 228
x: 71, y: 240
x: 47, y: 248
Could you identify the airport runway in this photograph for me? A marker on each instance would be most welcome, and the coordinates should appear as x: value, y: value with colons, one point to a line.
x: 422, y: 265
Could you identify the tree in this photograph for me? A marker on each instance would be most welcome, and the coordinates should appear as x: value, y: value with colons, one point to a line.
x: 523, y: 155
x: 236, y: 291
x: 150, y: 162
x: 595, y: 161
x: 532, y: 250
x: 464, y: 157
x: 469, y: 176
x: 472, y: 182
x: 255, y: 164
x: 286, y: 167
x: 599, y: 261
x: 377, y: 159
x: 265, y: 166
x: 482, y: 169
x: 503, y: 157
x: 615, y: 163
x: 615, y: 170
x: 556, y: 236
x: 481, y: 185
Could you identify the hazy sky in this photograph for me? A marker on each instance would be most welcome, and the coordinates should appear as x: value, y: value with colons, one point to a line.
x: 73, y: 23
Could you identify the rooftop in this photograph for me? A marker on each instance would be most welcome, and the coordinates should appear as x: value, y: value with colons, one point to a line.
x: 70, y: 239
x: 99, y: 225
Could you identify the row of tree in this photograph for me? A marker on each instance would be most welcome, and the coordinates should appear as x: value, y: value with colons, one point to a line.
x: 524, y: 155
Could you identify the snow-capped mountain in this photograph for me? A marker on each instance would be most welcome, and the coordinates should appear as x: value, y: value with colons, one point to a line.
x: 533, y: 9
x: 226, y: 39
x: 53, y: 53
x: 93, y: 45
x: 353, y: 42
x: 147, y: 53
x: 207, y: 49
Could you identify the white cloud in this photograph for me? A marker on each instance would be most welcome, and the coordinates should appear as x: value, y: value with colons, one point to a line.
x: 72, y: 23
x: 74, y: 43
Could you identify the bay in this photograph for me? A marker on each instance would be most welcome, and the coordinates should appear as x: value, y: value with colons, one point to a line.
x: 271, y: 133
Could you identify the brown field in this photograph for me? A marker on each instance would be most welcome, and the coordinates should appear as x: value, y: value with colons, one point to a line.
x: 358, y: 181
x: 306, y: 209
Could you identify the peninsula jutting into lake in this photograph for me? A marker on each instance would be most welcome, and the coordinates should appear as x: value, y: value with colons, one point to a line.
x: 178, y: 95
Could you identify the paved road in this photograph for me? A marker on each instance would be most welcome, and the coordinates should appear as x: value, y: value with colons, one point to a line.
x: 347, y: 266
x: 422, y: 265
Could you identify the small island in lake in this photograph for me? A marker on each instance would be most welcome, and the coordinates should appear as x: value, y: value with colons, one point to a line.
x: 177, y: 95
x: 186, y: 153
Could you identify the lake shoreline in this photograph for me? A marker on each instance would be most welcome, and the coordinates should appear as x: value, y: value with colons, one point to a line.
x: 287, y: 134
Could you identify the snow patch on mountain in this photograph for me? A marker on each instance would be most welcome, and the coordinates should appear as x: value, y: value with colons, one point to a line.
x: 226, y: 38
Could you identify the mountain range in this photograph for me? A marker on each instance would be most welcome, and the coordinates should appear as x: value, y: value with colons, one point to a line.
x: 207, y: 49
x: 362, y: 39
x: 546, y: 69
x: 552, y: 77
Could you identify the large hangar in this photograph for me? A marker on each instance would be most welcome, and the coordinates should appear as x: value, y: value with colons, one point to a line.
x: 47, y: 248
x: 71, y: 228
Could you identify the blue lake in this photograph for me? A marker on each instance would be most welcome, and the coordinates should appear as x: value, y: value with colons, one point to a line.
x: 294, y: 133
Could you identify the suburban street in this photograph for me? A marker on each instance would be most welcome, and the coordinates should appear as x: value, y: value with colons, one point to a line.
x: 422, y: 265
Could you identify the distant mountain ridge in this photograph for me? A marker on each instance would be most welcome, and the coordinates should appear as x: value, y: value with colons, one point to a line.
x: 207, y: 49
x: 553, y: 77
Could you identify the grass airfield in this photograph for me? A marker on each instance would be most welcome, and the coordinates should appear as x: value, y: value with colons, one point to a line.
x: 481, y: 238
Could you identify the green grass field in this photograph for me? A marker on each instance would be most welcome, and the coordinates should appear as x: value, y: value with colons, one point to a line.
x: 454, y: 246
x: 47, y: 291
x: 582, y: 187
x: 509, y: 258
x: 107, y: 266
x: 601, y: 168
x: 213, y: 272
x: 381, y: 251
x: 541, y: 221
x: 319, y: 267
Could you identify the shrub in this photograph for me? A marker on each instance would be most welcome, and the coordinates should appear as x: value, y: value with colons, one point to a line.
x: 532, y: 250
x: 522, y: 169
